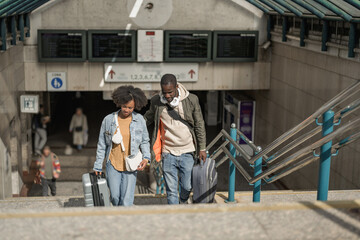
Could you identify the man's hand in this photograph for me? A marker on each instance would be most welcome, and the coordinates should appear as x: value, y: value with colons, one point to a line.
x: 202, y: 156
x: 142, y: 165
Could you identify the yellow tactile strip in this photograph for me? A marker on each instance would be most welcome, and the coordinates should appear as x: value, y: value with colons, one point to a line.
x: 190, y: 210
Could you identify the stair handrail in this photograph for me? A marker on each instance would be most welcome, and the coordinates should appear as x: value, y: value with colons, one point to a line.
x: 335, y: 101
x: 340, y: 144
x: 308, y: 149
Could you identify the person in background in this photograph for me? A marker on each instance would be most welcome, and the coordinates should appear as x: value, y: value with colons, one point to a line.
x: 50, y: 170
x: 134, y: 138
x: 39, y: 123
x: 79, y: 128
x: 179, y: 134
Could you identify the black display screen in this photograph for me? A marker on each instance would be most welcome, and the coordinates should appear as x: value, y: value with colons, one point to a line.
x: 112, y: 45
x: 62, y: 45
x: 236, y: 45
x: 188, y: 46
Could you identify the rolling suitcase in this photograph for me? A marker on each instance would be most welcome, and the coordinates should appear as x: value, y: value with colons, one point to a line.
x: 204, y: 181
x: 96, y: 191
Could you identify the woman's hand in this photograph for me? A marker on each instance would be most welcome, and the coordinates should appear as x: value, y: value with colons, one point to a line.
x: 142, y: 165
x: 97, y: 173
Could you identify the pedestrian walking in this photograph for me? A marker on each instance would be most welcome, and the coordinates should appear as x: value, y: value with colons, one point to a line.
x: 124, y: 143
x: 39, y: 124
x: 79, y: 128
x: 179, y: 135
x: 50, y: 170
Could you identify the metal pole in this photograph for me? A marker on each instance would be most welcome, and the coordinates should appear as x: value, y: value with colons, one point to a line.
x: 233, y: 134
x: 257, y: 184
x: 352, y: 40
x: 325, y: 157
x: 325, y: 35
x: 302, y: 32
x: 284, y: 29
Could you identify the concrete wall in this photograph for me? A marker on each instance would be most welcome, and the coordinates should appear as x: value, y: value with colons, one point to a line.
x: 302, y: 79
x: 166, y: 15
x: 14, y: 133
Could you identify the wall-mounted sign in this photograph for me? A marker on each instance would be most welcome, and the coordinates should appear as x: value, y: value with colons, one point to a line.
x: 150, y: 45
x: 56, y: 81
x: 112, y: 45
x: 150, y: 72
x: 235, y: 46
x: 29, y: 103
x: 187, y: 46
x: 62, y: 45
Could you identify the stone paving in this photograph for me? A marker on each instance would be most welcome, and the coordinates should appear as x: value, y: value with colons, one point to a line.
x: 285, y: 220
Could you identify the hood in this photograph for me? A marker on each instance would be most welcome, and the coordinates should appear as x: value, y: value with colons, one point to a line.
x: 183, y: 92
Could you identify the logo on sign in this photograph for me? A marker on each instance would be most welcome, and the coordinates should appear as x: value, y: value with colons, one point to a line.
x: 56, y: 83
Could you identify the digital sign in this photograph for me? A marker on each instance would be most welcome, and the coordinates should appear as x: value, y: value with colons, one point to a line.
x: 239, y: 46
x: 187, y: 46
x: 62, y: 45
x: 112, y: 45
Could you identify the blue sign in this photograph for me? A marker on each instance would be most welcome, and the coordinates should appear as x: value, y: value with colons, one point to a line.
x: 56, y: 83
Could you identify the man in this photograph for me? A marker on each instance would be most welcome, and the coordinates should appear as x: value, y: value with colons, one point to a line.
x: 50, y: 170
x: 179, y: 133
x: 39, y: 127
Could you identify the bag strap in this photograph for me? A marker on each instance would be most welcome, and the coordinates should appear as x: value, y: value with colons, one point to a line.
x: 176, y: 116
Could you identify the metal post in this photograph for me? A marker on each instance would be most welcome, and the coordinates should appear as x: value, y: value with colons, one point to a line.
x: 257, y: 184
x: 352, y: 40
x: 27, y: 24
x: 3, y: 33
x: 325, y: 157
x: 325, y: 35
x: 302, y: 32
x: 284, y: 29
x: 21, y: 27
x: 13, y: 30
x: 233, y: 134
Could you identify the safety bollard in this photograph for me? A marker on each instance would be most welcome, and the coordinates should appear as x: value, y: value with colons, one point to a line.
x: 325, y: 157
x: 231, y: 195
x: 257, y: 184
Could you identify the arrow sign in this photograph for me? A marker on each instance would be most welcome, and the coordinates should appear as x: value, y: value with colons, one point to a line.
x: 191, y: 72
x: 112, y: 73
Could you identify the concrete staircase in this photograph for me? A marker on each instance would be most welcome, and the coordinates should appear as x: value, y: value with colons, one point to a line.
x: 280, y: 215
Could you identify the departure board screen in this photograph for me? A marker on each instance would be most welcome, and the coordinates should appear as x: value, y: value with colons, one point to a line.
x: 62, y: 45
x: 236, y: 46
x: 187, y: 46
x: 112, y: 46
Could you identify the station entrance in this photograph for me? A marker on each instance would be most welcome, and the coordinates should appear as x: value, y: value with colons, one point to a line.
x: 61, y: 108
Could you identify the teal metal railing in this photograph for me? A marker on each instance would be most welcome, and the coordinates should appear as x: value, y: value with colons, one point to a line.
x: 293, y: 156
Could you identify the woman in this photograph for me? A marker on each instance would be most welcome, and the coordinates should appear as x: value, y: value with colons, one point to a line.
x: 79, y: 128
x: 135, y: 138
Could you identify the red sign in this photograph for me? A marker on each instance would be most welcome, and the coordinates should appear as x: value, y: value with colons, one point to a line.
x: 152, y: 33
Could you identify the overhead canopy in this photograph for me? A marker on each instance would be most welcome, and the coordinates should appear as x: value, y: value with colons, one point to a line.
x: 18, y: 7
x: 348, y: 10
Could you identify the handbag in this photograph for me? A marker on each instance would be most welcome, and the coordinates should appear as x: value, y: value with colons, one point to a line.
x: 117, y: 138
x: 133, y: 162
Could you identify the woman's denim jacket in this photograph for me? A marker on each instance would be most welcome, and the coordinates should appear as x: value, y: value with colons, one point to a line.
x: 139, y: 138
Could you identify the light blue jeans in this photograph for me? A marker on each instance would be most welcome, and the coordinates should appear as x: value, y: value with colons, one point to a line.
x: 121, y: 185
x: 177, y: 169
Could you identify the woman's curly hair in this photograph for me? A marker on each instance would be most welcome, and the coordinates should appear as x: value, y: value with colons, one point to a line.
x: 125, y: 94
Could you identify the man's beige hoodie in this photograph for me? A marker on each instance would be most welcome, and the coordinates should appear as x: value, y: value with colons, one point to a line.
x: 176, y: 137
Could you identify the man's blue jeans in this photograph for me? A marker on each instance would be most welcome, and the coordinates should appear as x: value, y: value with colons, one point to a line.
x: 177, y: 169
x: 121, y: 185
